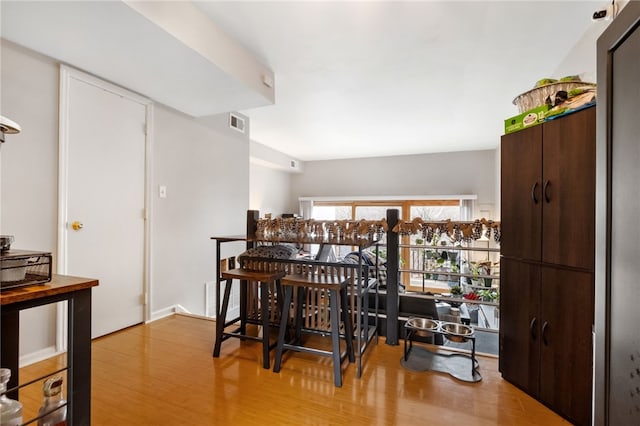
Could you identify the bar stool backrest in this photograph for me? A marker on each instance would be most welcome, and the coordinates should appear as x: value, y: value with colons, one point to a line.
x: 316, y: 313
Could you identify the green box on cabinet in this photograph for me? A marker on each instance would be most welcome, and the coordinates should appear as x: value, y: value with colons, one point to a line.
x: 526, y: 119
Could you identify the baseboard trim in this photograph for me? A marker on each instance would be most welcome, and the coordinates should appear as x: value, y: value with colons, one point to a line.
x: 179, y: 309
x: 37, y: 356
x: 176, y: 310
x: 162, y: 313
x: 190, y: 315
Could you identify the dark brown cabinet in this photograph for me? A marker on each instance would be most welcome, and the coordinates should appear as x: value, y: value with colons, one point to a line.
x: 568, y: 190
x: 519, y: 330
x: 565, y: 339
x: 546, y: 271
x: 548, y: 191
x: 545, y: 348
x: 521, y: 175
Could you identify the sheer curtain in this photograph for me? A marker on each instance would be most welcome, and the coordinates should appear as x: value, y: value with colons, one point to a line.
x: 467, y: 208
x: 306, y: 208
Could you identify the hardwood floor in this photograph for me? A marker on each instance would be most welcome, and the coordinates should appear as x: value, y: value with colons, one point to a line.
x: 164, y: 373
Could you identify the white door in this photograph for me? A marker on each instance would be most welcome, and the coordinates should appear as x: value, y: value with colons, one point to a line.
x: 102, y: 194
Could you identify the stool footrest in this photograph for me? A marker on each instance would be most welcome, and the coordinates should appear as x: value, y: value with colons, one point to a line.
x: 231, y: 322
x: 315, y: 351
x: 226, y: 336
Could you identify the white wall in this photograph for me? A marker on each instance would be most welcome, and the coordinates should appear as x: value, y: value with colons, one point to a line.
x: 269, y: 157
x: 453, y: 173
x: 205, y: 166
x: 203, y: 163
x: 270, y: 191
x: 581, y: 59
x: 29, y: 169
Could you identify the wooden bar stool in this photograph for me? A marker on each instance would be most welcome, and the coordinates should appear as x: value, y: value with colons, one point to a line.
x: 337, y: 290
x: 246, y: 276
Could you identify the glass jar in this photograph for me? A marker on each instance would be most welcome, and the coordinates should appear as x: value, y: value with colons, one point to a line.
x: 10, y: 409
x: 54, y: 408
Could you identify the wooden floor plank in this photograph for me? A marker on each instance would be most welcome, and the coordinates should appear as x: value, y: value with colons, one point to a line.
x: 163, y: 373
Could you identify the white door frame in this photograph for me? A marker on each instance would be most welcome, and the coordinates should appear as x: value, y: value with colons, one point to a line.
x: 68, y: 73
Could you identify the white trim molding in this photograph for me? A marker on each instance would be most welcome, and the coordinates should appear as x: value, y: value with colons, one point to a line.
x: 390, y: 198
x: 67, y: 73
x: 37, y: 356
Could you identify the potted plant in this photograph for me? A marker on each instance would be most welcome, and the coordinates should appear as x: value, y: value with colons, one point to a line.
x: 456, y: 292
x: 485, y: 269
x: 488, y: 295
x: 475, y: 272
x: 478, y: 269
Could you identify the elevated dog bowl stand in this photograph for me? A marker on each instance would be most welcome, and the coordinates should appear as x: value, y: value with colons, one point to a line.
x: 454, y: 364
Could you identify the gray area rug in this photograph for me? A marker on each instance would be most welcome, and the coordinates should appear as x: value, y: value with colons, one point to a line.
x: 456, y: 365
x: 486, y: 343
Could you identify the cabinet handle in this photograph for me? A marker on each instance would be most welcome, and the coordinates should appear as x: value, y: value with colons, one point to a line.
x: 544, y: 333
x: 533, y: 193
x: 545, y: 190
x: 532, y: 328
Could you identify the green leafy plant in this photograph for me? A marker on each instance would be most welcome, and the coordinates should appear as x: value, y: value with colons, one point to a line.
x: 382, y: 253
x: 488, y: 295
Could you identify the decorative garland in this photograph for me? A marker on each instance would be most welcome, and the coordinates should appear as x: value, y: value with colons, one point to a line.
x: 332, y: 231
x: 456, y: 231
x: 346, y: 231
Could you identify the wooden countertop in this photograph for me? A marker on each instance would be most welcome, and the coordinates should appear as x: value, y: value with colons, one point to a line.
x: 59, y: 284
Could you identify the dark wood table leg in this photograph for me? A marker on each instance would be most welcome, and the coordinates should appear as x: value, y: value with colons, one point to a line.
x: 221, y: 318
x: 244, y: 291
x: 335, y: 336
x: 218, y: 309
x: 348, y: 326
x: 9, y: 347
x: 299, y: 314
x: 264, y: 313
x: 284, y: 318
x: 79, y: 357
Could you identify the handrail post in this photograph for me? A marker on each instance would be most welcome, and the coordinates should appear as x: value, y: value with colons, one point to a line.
x: 393, y: 300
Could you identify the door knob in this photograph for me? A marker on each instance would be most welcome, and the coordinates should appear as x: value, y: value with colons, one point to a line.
x: 76, y: 226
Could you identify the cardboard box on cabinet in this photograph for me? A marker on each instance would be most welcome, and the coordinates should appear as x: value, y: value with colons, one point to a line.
x: 526, y: 119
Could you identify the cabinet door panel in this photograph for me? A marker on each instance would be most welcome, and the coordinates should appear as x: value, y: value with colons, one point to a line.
x: 519, y: 323
x: 566, y: 342
x: 568, y: 217
x: 521, y: 192
x: 624, y: 298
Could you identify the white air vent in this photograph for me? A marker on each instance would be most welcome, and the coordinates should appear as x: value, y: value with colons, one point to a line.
x: 236, y: 122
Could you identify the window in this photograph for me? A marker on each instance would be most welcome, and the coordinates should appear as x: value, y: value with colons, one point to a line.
x: 431, y: 210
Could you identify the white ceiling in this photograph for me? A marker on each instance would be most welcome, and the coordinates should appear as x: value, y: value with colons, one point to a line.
x: 388, y: 78
x: 360, y: 79
x: 168, y: 51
